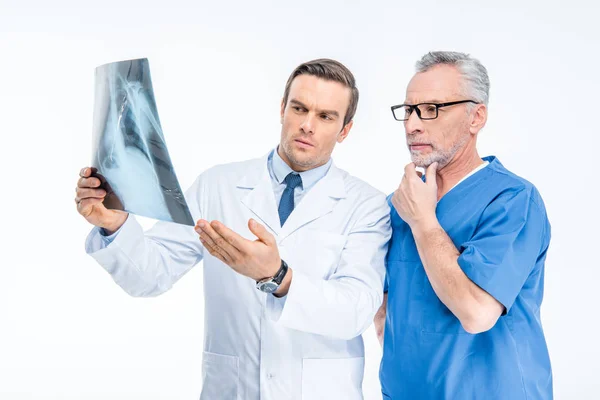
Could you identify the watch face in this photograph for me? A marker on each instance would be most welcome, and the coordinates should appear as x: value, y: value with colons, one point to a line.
x: 267, y: 287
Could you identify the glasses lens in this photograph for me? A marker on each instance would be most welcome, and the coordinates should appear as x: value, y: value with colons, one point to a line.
x: 402, y: 113
x: 428, y: 111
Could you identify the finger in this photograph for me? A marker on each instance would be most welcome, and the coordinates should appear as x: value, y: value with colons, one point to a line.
x: 84, y: 193
x: 396, y: 198
x: 86, y: 204
x: 261, y: 232
x: 208, y: 243
x: 235, y: 240
x: 218, y: 241
x: 430, y: 173
x: 85, y: 172
x: 420, y: 174
x: 399, y: 188
x: 88, y: 182
x: 410, y: 171
x: 213, y: 249
x: 220, y: 257
x: 402, y: 182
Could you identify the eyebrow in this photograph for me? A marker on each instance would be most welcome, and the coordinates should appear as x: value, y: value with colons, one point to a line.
x: 435, y: 101
x: 330, y: 112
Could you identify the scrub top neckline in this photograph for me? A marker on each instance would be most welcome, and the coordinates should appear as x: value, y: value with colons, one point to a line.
x: 461, y: 187
x: 470, y: 174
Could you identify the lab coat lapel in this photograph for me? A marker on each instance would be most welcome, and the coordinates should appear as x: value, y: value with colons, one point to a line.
x: 260, y: 199
x: 319, y: 201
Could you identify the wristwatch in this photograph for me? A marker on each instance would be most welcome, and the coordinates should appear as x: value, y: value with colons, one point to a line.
x: 270, y: 285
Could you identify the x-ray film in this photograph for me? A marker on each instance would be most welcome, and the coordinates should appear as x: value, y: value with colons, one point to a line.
x: 129, y: 151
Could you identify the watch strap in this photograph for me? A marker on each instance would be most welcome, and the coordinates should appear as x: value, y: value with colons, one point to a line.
x: 278, y: 278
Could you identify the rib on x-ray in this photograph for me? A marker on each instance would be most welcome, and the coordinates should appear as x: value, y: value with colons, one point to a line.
x: 129, y: 151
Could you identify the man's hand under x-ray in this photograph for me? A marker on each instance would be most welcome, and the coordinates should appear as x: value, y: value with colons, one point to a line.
x: 256, y: 259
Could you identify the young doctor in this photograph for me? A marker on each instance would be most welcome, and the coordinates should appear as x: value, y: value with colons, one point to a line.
x: 293, y: 251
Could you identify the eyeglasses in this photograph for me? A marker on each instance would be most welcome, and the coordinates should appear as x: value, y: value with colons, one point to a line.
x: 425, y: 111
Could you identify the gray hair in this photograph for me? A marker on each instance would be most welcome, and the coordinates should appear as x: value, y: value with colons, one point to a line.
x: 475, y: 77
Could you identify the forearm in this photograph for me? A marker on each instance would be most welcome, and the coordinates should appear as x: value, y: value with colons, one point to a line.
x: 341, y: 308
x: 145, y: 265
x: 453, y: 287
x: 343, y: 304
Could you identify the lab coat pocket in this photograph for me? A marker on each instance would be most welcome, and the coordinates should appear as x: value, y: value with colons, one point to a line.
x: 332, y: 378
x: 318, y: 253
x: 220, y: 376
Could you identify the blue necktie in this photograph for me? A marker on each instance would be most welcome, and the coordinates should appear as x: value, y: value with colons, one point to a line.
x: 286, y: 204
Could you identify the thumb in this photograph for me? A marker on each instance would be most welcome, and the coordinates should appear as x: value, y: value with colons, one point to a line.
x: 260, y: 232
x: 430, y: 174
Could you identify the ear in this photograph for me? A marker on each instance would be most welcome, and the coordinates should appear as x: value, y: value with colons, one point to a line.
x: 478, y: 119
x: 345, y: 131
x: 282, y: 111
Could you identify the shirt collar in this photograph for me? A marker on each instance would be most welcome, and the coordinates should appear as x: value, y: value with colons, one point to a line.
x: 309, y: 178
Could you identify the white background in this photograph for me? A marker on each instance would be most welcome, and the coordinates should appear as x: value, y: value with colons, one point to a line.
x: 219, y: 69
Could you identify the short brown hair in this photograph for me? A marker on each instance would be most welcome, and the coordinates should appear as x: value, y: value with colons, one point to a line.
x: 330, y: 70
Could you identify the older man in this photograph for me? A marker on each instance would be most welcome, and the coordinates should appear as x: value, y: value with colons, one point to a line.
x: 465, y: 269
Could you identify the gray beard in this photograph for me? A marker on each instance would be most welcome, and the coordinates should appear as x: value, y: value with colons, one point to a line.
x: 439, y: 156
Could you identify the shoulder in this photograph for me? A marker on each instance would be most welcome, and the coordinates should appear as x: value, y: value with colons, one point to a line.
x: 362, y: 201
x: 234, y: 171
x: 515, y: 188
x: 223, y: 176
x: 356, y: 188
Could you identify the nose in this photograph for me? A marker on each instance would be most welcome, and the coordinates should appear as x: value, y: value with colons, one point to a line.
x: 307, y: 126
x: 413, y: 125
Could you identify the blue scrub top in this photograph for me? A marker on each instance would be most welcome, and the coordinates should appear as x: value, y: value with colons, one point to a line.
x: 498, y: 223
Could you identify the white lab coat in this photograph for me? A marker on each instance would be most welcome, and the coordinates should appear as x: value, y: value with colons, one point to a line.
x: 306, y: 345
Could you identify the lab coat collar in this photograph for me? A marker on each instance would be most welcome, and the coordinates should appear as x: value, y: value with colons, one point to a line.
x: 318, y: 202
x: 260, y: 199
